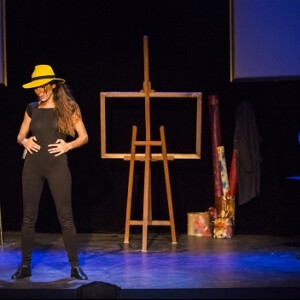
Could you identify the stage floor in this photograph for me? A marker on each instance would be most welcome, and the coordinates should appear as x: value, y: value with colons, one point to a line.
x: 245, y: 266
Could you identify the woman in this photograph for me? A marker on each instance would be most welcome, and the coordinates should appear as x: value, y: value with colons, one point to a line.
x: 43, y: 132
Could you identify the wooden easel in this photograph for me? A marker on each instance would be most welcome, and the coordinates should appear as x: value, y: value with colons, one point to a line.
x: 147, y: 158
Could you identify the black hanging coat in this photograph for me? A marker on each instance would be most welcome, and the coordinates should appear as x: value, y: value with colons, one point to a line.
x: 247, y: 142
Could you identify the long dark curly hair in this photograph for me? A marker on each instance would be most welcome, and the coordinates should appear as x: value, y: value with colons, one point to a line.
x: 66, y: 108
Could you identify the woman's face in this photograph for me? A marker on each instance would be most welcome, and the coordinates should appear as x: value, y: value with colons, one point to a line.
x: 45, y: 92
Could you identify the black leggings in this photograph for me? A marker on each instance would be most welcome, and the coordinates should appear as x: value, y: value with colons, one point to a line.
x: 57, y: 174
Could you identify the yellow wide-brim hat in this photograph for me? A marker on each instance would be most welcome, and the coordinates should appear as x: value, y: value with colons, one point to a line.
x: 41, y: 75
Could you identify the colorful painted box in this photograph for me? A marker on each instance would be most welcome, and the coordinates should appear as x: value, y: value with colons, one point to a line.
x: 199, y: 224
x: 223, y: 228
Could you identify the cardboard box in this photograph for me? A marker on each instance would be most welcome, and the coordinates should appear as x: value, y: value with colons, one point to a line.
x: 199, y: 224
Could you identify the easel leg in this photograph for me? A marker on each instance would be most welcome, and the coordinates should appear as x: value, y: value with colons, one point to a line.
x: 147, y: 194
x: 130, y: 185
x: 168, y: 185
x: 1, y: 232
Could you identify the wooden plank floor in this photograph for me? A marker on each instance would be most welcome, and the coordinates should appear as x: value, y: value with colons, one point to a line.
x: 245, y: 266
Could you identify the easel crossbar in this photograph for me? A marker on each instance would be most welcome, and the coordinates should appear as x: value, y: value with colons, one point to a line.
x: 146, y: 143
x: 152, y: 223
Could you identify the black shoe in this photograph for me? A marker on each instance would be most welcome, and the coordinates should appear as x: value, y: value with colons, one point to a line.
x: 78, y: 273
x: 22, y: 272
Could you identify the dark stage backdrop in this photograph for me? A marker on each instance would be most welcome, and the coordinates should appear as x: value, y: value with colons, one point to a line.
x: 98, y: 46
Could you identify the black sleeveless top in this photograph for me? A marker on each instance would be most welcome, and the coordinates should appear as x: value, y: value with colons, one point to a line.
x: 45, y: 128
